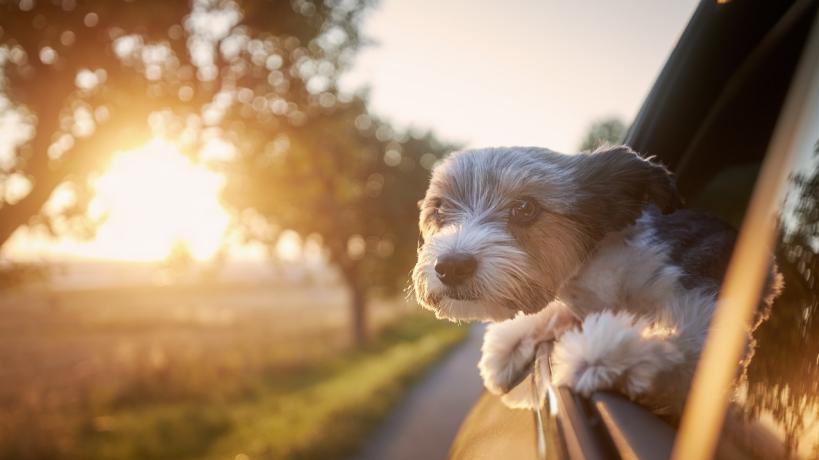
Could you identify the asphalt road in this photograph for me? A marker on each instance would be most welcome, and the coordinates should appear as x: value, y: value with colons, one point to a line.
x: 425, y: 423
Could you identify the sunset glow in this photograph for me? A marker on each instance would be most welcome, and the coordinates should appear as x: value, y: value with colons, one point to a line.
x: 149, y: 199
x: 155, y: 197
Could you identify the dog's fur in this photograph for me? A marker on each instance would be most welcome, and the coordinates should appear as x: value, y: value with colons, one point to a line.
x: 611, y: 268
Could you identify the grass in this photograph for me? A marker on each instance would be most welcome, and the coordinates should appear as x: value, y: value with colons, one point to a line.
x: 91, y: 379
x: 324, y: 411
x: 331, y: 416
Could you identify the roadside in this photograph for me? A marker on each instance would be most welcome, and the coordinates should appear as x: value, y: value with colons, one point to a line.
x: 425, y: 423
x: 213, y: 371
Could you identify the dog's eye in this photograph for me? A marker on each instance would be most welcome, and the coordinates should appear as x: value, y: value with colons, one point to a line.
x: 433, y: 211
x: 524, y: 211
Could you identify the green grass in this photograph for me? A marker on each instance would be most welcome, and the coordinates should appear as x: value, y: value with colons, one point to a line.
x: 323, y: 410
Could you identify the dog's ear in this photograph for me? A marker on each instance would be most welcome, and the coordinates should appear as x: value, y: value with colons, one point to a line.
x: 622, y: 183
x: 630, y: 176
x: 661, y: 188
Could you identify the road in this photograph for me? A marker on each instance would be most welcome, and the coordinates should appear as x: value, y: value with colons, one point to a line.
x: 424, y: 424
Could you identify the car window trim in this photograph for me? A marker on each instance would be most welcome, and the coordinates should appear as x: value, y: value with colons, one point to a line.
x: 704, y: 413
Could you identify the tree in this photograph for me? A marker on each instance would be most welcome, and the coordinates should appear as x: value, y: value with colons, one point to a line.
x: 782, y: 374
x: 349, y: 179
x: 95, y: 76
x: 180, y: 261
x: 604, y: 131
x: 86, y: 77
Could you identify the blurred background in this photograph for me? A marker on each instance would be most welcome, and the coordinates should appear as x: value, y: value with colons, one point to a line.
x: 208, y: 208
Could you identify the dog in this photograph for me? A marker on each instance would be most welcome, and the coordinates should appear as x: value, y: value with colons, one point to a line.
x: 593, y: 252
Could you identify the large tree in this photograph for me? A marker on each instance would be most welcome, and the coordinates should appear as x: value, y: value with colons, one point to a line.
x: 82, y: 79
x: 86, y: 76
x: 349, y: 179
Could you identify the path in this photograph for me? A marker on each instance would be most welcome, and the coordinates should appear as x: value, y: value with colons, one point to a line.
x: 425, y: 423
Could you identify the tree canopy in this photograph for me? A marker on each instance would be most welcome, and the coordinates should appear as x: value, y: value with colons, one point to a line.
x: 610, y: 130
x: 87, y: 78
x: 82, y: 79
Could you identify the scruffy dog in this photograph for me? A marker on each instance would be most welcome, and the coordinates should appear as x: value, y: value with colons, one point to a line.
x: 592, y: 251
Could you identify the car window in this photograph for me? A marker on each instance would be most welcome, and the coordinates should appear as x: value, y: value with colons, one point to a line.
x: 717, y: 164
x: 778, y: 403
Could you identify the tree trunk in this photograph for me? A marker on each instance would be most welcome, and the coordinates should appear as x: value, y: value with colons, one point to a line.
x: 350, y: 272
x: 37, y: 166
x: 14, y: 216
x: 358, y: 306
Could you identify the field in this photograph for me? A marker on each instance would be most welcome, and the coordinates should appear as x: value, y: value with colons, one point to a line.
x: 201, y: 371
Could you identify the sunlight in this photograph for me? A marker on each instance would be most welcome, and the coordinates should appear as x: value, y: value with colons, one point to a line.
x: 148, y: 200
x: 152, y: 198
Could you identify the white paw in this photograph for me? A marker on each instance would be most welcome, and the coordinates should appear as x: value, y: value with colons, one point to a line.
x: 530, y: 393
x: 612, y: 351
x: 507, y: 354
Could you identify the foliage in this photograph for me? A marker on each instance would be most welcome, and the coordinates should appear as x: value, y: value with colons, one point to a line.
x: 781, y: 376
x: 90, y: 77
x: 84, y: 78
x: 610, y: 130
x: 349, y: 179
x: 156, y: 387
x: 329, y: 418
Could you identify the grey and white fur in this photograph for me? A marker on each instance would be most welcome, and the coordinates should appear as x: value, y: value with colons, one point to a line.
x: 592, y: 251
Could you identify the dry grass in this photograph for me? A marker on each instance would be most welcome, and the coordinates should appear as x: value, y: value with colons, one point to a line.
x: 198, y: 371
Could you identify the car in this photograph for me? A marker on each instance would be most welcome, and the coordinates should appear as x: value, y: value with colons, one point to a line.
x: 735, y: 108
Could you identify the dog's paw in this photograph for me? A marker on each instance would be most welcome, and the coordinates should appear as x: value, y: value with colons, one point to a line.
x: 509, y: 347
x: 530, y: 393
x: 612, y: 351
x: 507, y: 354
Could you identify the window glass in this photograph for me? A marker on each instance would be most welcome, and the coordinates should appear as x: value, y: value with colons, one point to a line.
x: 782, y: 382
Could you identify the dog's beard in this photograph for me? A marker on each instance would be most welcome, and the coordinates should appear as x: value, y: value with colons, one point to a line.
x: 504, y: 284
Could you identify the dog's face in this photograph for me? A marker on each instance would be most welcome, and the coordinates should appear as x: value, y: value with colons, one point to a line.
x: 504, y: 228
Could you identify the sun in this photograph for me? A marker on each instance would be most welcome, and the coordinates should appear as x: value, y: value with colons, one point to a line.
x: 153, y: 198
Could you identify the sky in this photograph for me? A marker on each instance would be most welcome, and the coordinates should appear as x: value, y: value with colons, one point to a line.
x: 477, y: 72
x: 515, y: 72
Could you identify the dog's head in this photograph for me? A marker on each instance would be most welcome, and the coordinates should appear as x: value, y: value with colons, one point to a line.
x: 504, y: 228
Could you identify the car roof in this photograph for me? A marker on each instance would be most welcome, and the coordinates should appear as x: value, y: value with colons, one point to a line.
x: 717, y: 99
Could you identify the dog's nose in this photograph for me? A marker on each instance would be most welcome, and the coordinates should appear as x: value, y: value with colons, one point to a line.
x: 454, y: 269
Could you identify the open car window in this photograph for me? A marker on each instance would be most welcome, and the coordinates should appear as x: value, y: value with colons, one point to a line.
x: 777, y: 412
x: 711, y: 118
x: 782, y: 387
x: 774, y: 411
